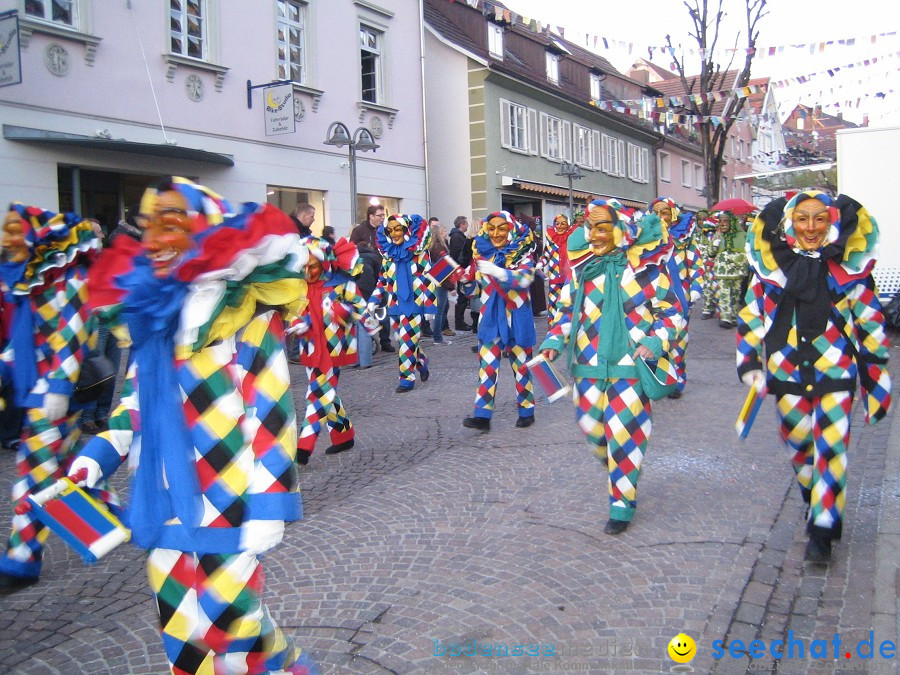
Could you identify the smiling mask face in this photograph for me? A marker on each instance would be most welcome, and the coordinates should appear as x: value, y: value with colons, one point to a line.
x: 167, y: 235
x: 498, y: 232
x: 811, y: 222
x: 601, y: 235
x: 15, y: 248
x: 395, y: 231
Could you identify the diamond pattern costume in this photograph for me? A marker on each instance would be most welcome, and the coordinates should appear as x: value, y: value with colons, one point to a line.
x: 704, y: 236
x: 208, y: 401
x: 506, y: 322
x: 47, y: 342
x: 686, y: 274
x: 817, y: 317
x: 555, y: 263
x: 406, y: 290
x: 612, y: 304
x: 333, y: 309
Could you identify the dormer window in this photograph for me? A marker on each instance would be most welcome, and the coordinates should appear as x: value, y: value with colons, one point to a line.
x: 596, y: 90
x: 495, y: 40
x: 553, y: 67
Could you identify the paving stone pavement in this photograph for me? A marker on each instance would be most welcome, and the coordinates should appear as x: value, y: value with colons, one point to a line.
x: 429, y: 539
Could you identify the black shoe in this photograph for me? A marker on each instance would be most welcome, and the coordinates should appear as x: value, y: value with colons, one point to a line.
x: 818, y: 551
x: 464, y: 327
x: 474, y: 349
x: 339, y: 447
x: 675, y: 394
x: 12, y: 445
x: 614, y: 526
x: 726, y: 324
x: 706, y: 315
x: 388, y: 348
x: 523, y: 422
x: 480, y: 423
x: 424, y: 373
x: 10, y: 583
x: 402, y: 389
x: 303, y: 457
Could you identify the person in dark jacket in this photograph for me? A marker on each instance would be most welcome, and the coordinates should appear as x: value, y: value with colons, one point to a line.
x: 460, y: 249
x: 365, y: 284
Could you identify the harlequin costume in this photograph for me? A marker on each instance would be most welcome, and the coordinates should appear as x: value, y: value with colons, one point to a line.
x: 208, y: 402
x: 329, y: 342
x: 554, y: 262
x: 686, y: 274
x: 598, y: 328
x: 817, y: 316
x: 506, y: 324
x: 407, y: 291
x: 47, y: 342
x: 730, y: 268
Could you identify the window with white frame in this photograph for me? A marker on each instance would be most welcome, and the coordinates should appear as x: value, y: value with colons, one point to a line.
x: 514, y: 132
x: 724, y: 188
x: 665, y: 168
x: 64, y: 12
x: 370, y: 51
x: 638, y: 163
x: 685, y: 173
x: 553, y: 67
x: 551, y: 137
x: 583, y: 146
x: 187, y: 28
x: 596, y: 89
x: 699, y: 179
x: 495, y: 40
x: 290, y: 39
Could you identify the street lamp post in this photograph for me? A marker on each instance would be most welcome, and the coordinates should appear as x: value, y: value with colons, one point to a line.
x: 338, y: 135
x: 571, y: 171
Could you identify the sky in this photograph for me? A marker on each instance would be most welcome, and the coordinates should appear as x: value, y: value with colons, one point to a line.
x: 789, y: 22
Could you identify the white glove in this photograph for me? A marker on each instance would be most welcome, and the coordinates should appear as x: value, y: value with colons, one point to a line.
x: 94, y: 474
x: 695, y: 296
x: 298, y: 327
x: 752, y: 378
x: 492, y: 270
x: 258, y: 536
x: 371, y: 307
x: 55, y: 406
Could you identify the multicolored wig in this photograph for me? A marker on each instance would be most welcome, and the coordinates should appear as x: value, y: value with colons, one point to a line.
x: 417, y: 237
x: 644, y: 239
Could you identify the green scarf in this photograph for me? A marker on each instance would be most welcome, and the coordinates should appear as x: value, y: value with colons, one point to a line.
x: 613, y: 334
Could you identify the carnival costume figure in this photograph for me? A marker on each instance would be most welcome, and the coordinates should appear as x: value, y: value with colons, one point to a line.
x: 503, y: 267
x: 207, y: 402
x: 406, y: 290
x: 43, y: 275
x: 327, y: 330
x: 704, y: 236
x: 685, y: 272
x: 813, y: 308
x: 730, y: 267
x: 554, y: 263
x: 618, y: 307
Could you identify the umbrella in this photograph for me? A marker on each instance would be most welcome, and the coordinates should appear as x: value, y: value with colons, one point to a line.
x: 738, y: 207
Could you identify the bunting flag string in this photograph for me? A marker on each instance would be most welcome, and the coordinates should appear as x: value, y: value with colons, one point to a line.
x: 590, y: 40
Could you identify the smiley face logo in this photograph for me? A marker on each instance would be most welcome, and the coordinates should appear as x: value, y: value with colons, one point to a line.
x: 682, y: 648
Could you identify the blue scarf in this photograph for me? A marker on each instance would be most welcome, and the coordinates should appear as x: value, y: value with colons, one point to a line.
x: 24, y: 370
x: 402, y: 255
x: 151, y: 310
x: 493, y: 322
x: 677, y: 285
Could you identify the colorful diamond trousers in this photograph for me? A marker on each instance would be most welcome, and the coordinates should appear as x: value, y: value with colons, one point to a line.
x: 489, y: 354
x: 212, y: 617
x: 323, y: 402
x: 817, y: 433
x: 617, y: 421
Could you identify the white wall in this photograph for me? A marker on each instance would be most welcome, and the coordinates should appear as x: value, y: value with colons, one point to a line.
x: 446, y: 78
x: 865, y: 158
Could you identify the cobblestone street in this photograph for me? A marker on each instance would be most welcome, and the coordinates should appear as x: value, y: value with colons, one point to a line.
x: 427, y: 537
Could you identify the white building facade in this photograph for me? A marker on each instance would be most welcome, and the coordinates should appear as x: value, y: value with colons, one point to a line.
x: 117, y: 93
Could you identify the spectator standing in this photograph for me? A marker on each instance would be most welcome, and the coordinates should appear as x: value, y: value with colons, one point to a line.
x: 368, y: 277
x: 304, y: 216
x: 365, y: 235
x: 460, y: 248
x: 439, y: 248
